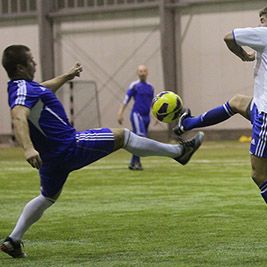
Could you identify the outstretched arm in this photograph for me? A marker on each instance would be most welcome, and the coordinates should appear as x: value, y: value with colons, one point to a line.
x: 237, y: 49
x: 20, y: 115
x: 55, y: 83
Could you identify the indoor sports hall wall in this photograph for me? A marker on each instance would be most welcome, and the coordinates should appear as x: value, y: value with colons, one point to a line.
x: 111, y: 45
x: 15, y: 32
x: 211, y: 73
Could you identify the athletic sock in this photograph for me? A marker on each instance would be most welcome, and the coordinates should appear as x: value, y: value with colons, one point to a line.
x: 31, y: 213
x: 135, y: 159
x: 142, y: 146
x: 213, y: 116
x: 263, y: 188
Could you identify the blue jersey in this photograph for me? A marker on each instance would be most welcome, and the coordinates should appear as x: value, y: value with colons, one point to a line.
x: 50, y: 130
x: 143, y: 93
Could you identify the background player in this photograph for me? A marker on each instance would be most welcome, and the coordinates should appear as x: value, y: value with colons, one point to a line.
x: 255, y: 38
x: 142, y: 92
x: 53, y: 146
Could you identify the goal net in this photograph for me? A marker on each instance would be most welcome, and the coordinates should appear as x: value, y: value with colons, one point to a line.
x: 83, y: 105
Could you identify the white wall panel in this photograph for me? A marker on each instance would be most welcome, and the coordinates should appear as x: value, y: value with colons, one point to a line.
x: 211, y: 73
x: 11, y: 33
x: 110, y: 49
x: 110, y: 46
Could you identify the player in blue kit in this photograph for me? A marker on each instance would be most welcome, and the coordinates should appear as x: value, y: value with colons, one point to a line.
x: 253, y: 108
x: 142, y: 92
x: 53, y: 146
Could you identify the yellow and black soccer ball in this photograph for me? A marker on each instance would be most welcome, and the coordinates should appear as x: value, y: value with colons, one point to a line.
x: 167, y: 106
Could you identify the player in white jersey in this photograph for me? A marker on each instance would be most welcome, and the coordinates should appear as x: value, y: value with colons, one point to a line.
x: 254, y: 108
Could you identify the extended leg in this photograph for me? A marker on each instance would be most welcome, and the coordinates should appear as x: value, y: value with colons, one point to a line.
x: 237, y: 104
x: 143, y: 147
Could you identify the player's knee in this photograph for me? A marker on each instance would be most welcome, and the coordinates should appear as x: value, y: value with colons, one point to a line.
x: 240, y: 104
x: 235, y: 103
x: 118, y: 137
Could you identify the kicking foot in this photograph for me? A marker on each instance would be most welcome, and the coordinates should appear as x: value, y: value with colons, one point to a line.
x: 179, y: 128
x: 12, y: 248
x: 190, y: 147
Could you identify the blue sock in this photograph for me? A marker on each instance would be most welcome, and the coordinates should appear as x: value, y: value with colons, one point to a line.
x: 135, y: 159
x: 211, y: 117
x: 263, y: 188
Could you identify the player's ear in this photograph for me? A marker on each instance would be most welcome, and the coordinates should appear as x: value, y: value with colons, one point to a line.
x: 19, y: 67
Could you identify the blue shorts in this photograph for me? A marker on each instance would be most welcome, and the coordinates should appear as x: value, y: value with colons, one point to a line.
x: 258, y: 146
x: 139, y: 123
x: 90, y: 146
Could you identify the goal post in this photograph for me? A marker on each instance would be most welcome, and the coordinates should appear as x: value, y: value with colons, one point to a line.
x: 83, y: 105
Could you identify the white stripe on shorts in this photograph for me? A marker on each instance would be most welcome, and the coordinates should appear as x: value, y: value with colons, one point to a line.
x: 95, y: 137
x: 262, y: 138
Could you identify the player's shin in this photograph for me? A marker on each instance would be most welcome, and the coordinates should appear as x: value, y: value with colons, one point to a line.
x: 31, y: 213
x: 142, y: 146
x: 211, y: 117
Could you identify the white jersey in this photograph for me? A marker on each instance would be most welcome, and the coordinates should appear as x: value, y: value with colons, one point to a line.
x: 256, y: 38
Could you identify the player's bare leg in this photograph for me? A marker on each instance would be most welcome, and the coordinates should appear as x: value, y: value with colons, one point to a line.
x: 259, y: 174
x: 259, y: 169
x: 241, y: 104
x: 119, y: 138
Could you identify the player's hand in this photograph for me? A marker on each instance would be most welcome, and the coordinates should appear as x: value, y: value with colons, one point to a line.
x: 33, y: 157
x: 120, y: 119
x: 75, y: 71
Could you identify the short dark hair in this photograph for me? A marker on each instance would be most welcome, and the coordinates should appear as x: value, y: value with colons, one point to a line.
x: 263, y: 12
x: 12, y: 56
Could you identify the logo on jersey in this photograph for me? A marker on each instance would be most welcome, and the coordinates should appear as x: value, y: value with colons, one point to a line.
x: 42, y: 88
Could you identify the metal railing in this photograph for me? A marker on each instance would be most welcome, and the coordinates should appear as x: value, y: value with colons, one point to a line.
x: 17, y: 7
x: 70, y: 4
x: 66, y: 8
x: 10, y: 9
x: 29, y: 7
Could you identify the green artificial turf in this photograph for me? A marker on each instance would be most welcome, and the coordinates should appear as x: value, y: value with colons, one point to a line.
x: 207, y: 213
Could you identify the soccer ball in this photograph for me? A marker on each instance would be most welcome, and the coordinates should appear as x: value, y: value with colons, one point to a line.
x: 167, y: 106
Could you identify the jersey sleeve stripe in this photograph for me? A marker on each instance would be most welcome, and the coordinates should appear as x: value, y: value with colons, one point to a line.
x: 21, y: 93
